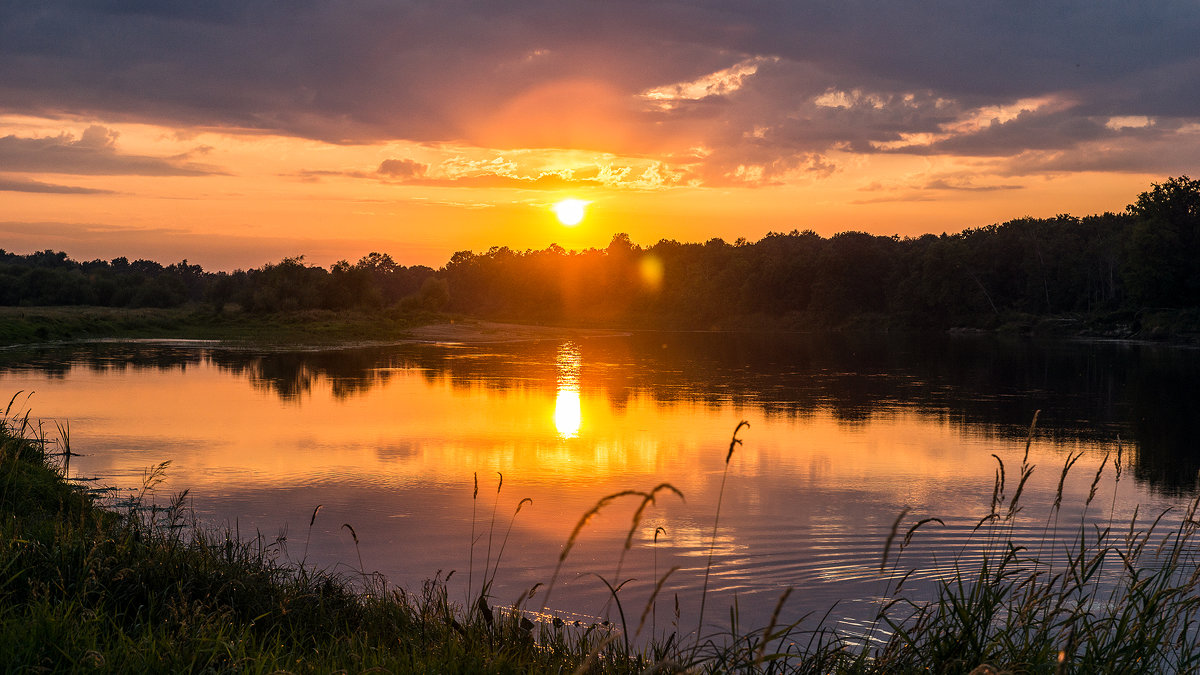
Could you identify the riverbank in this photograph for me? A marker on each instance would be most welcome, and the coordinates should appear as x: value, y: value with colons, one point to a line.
x: 32, y: 325
x: 35, y: 325
x: 28, y: 325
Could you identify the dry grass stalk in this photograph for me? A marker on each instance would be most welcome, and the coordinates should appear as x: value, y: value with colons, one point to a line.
x: 734, y: 441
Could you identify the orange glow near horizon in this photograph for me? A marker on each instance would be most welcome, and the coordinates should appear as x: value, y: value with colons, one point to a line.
x: 255, y: 198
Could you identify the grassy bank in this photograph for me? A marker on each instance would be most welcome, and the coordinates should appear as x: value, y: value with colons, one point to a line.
x: 140, y: 589
x: 29, y: 325
x: 26, y: 325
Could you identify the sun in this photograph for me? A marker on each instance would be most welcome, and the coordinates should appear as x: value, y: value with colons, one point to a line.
x: 570, y: 211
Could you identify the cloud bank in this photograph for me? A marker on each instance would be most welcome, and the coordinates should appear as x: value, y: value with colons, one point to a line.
x: 720, y: 92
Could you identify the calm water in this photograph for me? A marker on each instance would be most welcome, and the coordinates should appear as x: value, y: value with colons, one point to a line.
x: 844, y: 433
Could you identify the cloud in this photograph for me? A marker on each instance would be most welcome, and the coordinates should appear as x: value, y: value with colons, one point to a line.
x: 93, y: 153
x: 927, y: 189
x: 19, y: 185
x: 1167, y: 154
x: 547, y: 181
x: 526, y: 170
x: 1028, y: 131
x: 769, y: 90
x: 967, y: 186
x: 402, y: 168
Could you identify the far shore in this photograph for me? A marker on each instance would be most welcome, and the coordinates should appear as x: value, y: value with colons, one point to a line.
x: 473, y: 331
x: 309, y: 328
x: 353, y: 328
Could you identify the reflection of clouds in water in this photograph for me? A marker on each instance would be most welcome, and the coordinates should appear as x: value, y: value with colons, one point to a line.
x: 568, y: 414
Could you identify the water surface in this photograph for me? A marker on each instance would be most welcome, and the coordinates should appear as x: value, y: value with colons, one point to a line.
x: 844, y: 432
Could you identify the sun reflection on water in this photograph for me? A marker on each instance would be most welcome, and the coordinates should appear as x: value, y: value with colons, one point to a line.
x: 568, y: 416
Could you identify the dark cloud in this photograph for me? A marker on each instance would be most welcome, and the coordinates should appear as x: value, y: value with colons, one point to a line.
x: 967, y: 186
x: 20, y: 185
x: 1032, y: 131
x: 364, y: 70
x: 933, y: 189
x: 1165, y: 155
x: 402, y: 168
x: 93, y: 153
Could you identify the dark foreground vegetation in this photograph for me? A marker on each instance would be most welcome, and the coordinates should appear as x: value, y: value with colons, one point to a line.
x: 1135, y: 273
x: 139, y: 589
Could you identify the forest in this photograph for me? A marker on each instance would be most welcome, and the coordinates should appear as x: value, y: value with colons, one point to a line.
x: 1113, y: 268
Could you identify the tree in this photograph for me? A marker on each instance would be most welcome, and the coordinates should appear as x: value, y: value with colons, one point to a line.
x: 1163, y: 267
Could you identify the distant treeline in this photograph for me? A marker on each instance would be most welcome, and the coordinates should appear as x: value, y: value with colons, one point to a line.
x: 375, y: 281
x: 1113, y: 264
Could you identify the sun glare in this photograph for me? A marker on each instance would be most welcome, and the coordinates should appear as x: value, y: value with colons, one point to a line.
x: 570, y: 211
x: 568, y: 416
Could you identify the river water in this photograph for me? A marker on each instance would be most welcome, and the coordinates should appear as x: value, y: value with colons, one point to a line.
x: 844, y: 433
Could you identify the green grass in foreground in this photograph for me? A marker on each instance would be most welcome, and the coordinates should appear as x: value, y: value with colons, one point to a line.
x: 86, y: 589
x: 27, y: 325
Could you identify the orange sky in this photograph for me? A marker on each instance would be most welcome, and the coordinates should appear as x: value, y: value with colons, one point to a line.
x: 233, y: 152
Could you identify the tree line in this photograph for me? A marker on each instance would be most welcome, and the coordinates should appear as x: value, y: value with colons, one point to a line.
x: 1114, y: 265
x: 376, y: 281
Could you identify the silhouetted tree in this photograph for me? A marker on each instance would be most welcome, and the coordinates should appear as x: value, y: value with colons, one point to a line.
x: 1163, y: 267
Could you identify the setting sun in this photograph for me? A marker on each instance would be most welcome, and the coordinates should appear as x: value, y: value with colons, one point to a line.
x: 570, y: 211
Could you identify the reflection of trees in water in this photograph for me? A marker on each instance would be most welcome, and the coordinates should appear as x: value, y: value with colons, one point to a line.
x: 1164, y: 413
x: 57, y: 361
x: 291, y: 375
x: 991, y: 385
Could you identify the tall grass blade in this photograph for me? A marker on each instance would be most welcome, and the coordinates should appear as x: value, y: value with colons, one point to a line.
x: 733, y: 442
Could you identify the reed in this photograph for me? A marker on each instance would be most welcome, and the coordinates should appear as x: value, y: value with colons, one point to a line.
x: 504, y: 542
x: 733, y: 442
x: 583, y: 521
x: 471, y: 548
x: 307, y: 539
x: 492, y: 527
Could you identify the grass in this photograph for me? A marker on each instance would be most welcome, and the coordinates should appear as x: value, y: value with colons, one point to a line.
x: 141, y: 589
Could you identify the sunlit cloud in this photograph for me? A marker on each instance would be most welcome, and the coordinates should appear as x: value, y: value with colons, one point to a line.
x: 977, y: 119
x: 720, y: 83
x: 1128, y: 122
x: 521, y: 169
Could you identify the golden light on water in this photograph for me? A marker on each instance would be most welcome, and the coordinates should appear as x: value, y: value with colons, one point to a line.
x: 568, y: 413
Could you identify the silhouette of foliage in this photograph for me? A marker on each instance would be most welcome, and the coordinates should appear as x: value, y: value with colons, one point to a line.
x: 1114, y: 265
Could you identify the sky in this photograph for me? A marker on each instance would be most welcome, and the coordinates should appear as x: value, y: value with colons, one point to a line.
x: 233, y: 133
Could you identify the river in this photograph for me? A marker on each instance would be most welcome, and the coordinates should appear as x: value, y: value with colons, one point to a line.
x: 844, y: 433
